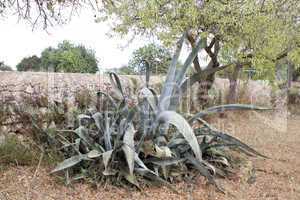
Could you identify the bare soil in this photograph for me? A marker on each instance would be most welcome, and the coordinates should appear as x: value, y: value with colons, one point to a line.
x: 277, y: 178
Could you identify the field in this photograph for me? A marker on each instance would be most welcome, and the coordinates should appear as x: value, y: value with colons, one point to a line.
x: 272, y: 179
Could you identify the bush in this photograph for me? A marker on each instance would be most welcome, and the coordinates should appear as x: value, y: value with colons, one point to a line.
x: 12, y: 151
x: 4, y: 67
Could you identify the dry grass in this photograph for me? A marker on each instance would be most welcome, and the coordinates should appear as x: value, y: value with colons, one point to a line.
x: 276, y: 178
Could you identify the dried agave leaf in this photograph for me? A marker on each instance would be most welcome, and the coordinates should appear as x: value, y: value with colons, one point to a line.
x: 165, y: 161
x: 228, y: 107
x: 106, y: 156
x: 70, y: 162
x: 147, y: 148
x: 162, y: 151
x: 128, y: 147
x: 94, y: 154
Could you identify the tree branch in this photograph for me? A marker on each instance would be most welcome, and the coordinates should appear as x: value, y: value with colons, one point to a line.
x: 196, y: 63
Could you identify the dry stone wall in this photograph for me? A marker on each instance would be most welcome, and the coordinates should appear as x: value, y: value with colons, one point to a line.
x: 21, y: 86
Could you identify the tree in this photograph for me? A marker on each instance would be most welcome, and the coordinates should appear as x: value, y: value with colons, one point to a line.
x: 4, y: 67
x: 124, y: 70
x: 68, y: 57
x: 257, y: 33
x: 32, y: 63
x: 157, y: 57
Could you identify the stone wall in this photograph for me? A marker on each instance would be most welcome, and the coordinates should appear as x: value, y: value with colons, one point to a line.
x: 20, y: 86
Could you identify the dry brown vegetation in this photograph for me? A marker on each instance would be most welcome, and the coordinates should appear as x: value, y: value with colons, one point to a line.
x: 275, y: 178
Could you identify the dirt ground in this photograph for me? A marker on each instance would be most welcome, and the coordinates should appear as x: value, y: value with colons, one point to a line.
x: 277, y: 178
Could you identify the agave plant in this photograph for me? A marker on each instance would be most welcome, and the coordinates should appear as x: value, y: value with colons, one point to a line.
x: 149, y: 142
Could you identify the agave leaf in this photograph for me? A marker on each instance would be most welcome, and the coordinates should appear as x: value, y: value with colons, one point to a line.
x: 164, y: 172
x: 77, y: 144
x: 82, y: 133
x: 115, y: 81
x: 203, y: 171
x: 175, y: 142
x: 153, y: 176
x: 139, y: 162
x: 149, y: 96
x: 147, y: 75
x: 165, y: 161
x: 82, y: 119
x: 83, y: 116
x: 154, y: 95
x: 130, y: 115
x: 184, y: 128
x: 221, y: 160
x: 234, y: 140
x: 132, y: 179
x: 200, y: 44
x: 67, y: 176
x: 94, y: 154
x: 128, y: 147
x: 228, y: 107
x: 98, y: 118
x: 106, y: 156
x: 204, y: 147
x: 167, y: 91
x: 113, y: 102
x: 70, y: 162
x: 107, y: 132
x: 231, y: 141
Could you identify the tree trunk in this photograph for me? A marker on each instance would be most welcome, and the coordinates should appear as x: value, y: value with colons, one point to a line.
x: 204, y: 85
x: 290, y: 73
x: 233, y: 82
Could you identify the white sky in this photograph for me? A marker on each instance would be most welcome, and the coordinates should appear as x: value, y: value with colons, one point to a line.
x: 17, y: 40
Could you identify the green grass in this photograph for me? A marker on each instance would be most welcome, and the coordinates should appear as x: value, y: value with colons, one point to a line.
x: 12, y: 151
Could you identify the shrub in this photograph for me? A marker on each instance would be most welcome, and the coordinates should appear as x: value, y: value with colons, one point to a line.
x: 12, y: 151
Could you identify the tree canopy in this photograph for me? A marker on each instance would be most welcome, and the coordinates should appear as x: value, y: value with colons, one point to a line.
x: 67, y: 57
x: 4, y: 67
x: 31, y: 63
x: 157, y: 57
x: 256, y: 32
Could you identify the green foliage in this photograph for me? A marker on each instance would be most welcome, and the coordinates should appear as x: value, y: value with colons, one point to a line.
x: 12, y: 151
x: 124, y: 70
x: 66, y: 57
x: 255, y: 33
x: 157, y: 57
x: 4, y: 67
x: 69, y: 58
x: 32, y: 63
